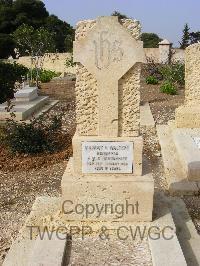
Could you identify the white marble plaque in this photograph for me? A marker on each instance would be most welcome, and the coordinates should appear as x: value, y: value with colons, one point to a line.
x: 107, y: 157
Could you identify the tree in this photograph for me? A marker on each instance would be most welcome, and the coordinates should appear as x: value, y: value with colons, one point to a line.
x: 194, y: 37
x: 9, y: 74
x: 7, y: 46
x: 33, y: 13
x: 119, y: 15
x: 6, y: 2
x: 15, y: 13
x: 151, y: 40
x: 30, y: 12
x: 7, y: 17
x: 34, y: 43
x: 185, y: 42
x: 63, y: 33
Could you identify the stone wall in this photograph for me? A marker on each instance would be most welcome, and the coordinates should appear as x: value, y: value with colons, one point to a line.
x: 54, y: 62
x: 177, y: 55
x: 87, y: 94
x: 59, y: 89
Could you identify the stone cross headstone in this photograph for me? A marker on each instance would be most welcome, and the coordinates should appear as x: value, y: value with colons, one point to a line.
x: 107, y: 147
x: 108, y: 52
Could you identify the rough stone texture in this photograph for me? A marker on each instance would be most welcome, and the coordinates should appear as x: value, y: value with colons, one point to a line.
x: 188, y: 114
x: 192, y: 74
x: 129, y: 94
x: 93, y: 251
x: 86, y: 102
x: 86, y: 85
x: 133, y: 26
x: 61, y: 89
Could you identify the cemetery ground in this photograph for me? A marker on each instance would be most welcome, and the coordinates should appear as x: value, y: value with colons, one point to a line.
x: 23, y: 178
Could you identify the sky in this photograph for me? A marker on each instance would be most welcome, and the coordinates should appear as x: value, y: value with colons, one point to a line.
x: 164, y: 17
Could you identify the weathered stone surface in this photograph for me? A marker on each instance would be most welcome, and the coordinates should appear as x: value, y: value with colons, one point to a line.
x: 129, y: 103
x: 45, y: 212
x: 167, y: 252
x: 108, y: 110
x: 188, y: 153
x: 50, y: 250
x: 111, y: 190
x: 146, y: 117
x: 165, y: 51
x: 27, y: 94
x: 23, y: 110
x: 192, y: 74
x: 176, y: 163
x: 188, y: 115
x: 126, y: 51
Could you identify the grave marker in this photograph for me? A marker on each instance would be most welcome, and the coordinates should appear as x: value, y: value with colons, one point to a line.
x: 108, y: 52
x: 106, y: 167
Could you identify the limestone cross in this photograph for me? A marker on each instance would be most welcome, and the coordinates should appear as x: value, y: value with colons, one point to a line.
x: 108, y: 52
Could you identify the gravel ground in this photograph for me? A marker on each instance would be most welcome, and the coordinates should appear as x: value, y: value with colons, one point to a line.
x: 162, y: 105
x: 193, y: 206
x: 18, y: 193
x: 23, y: 179
x: 163, y: 109
x: 92, y: 251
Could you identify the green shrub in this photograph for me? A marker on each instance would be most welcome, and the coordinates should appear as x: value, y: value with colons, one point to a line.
x: 7, y: 45
x: 169, y: 88
x: 152, y: 69
x: 35, y: 137
x: 47, y: 75
x: 174, y: 73
x: 9, y: 74
x: 152, y: 80
x: 44, y: 75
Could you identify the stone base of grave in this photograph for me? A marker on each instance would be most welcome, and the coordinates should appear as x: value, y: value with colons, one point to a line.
x: 130, y: 196
x: 170, y: 216
x: 188, y: 116
x: 27, y: 94
x: 181, y: 158
x: 23, y: 110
